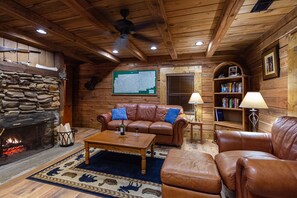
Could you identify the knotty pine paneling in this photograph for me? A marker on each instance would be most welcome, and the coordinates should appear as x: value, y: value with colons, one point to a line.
x: 274, y: 91
x: 88, y: 104
x: 45, y: 58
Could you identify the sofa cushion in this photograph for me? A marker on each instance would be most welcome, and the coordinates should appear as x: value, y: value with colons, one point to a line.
x: 131, y: 110
x: 161, y: 128
x: 191, y: 170
x: 161, y: 111
x: 146, y: 112
x: 112, y: 125
x: 143, y: 126
x: 119, y: 114
x: 226, y: 163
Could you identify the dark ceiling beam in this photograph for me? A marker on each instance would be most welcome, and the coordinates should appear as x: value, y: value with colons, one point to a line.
x: 27, y: 38
x: 156, y: 7
x: 18, y: 11
x: 87, y: 10
x: 228, y: 15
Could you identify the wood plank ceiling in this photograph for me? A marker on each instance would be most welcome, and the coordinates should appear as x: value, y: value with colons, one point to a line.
x: 84, y: 30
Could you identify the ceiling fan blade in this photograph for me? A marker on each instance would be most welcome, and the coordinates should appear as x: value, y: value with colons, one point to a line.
x: 143, y: 38
x: 150, y: 23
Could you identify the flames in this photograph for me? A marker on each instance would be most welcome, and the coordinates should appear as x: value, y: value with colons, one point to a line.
x: 13, y: 140
x: 14, y: 146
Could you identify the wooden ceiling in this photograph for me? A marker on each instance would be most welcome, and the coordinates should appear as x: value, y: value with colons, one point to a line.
x: 83, y: 29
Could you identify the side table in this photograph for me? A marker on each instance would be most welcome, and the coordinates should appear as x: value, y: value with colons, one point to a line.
x: 198, y: 123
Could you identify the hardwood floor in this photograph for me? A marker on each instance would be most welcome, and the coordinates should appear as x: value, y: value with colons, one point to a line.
x: 24, y: 188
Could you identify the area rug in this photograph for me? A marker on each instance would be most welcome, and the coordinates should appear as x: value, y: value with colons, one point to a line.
x: 109, y: 174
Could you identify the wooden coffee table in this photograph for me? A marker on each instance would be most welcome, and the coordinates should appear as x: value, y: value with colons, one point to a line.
x: 130, y: 142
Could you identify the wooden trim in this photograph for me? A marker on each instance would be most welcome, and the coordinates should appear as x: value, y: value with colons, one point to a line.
x: 17, y: 11
x: 59, y: 63
x: 229, y: 13
x: 5, y: 66
x: 156, y: 7
x: 181, y: 74
x: 86, y: 10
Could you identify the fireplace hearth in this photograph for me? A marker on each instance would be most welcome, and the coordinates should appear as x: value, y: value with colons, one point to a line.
x: 25, y: 137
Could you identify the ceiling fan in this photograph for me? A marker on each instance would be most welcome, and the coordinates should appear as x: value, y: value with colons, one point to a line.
x: 127, y: 28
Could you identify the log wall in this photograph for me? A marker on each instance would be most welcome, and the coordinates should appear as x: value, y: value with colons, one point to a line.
x: 274, y: 91
x: 88, y: 104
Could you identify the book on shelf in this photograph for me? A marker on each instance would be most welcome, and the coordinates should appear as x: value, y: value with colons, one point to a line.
x: 219, y: 115
x: 230, y: 102
x: 231, y: 87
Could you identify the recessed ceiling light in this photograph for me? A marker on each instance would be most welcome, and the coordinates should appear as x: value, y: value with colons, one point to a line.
x: 41, y: 31
x: 115, y: 51
x: 199, y: 43
x: 153, y: 47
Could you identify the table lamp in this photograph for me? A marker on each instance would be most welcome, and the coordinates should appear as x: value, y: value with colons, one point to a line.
x: 253, y: 101
x: 195, y: 100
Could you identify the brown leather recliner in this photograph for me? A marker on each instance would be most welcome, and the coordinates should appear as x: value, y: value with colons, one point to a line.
x: 254, y: 164
x: 149, y: 118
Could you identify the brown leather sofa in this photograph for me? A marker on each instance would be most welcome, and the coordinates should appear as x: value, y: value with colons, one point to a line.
x: 149, y: 118
x: 254, y: 164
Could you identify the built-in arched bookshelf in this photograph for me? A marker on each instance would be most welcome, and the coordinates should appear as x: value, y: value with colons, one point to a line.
x: 230, y: 86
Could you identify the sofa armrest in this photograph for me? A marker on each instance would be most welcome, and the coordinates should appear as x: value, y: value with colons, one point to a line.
x: 266, y: 178
x: 179, y: 124
x: 104, y: 119
x: 243, y: 140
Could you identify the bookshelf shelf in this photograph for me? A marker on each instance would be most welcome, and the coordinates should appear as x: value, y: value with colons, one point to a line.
x: 228, y: 78
x: 230, y: 109
x: 228, y: 94
x: 230, y: 124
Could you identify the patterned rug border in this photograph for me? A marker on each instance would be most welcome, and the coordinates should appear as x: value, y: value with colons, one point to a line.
x: 73, y: 185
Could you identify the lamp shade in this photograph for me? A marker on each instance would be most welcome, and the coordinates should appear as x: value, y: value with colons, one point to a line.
x: 253, y: 100
x: 195, y: 98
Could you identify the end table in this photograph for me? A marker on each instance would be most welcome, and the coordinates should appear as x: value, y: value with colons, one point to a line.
x: 193, y: 123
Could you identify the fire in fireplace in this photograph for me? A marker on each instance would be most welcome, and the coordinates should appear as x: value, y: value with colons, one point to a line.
x: 12, y: 146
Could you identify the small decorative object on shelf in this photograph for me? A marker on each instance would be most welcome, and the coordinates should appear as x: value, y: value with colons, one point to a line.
x: 228, y: 93
x: 221, y: 76
x: 122, y: 128
x: 232, y: 71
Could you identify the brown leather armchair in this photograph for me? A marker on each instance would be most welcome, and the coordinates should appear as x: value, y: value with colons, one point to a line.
x: 259, y: 165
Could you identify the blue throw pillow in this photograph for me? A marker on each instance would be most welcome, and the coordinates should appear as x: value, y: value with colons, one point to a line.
x: 119, y: 114
x: 171, y: 115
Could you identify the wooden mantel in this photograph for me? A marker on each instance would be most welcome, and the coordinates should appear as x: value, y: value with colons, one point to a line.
x: 13, y: 67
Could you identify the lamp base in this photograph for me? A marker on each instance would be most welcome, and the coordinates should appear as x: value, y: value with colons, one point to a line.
x: 254, y: 118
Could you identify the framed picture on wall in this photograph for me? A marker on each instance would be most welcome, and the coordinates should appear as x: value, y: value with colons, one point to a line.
x: 270, y: 63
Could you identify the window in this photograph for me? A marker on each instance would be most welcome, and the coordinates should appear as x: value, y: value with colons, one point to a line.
x: 179, y: 90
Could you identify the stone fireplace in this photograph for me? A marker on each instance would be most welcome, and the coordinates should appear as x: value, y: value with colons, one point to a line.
x: 29, y: 111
